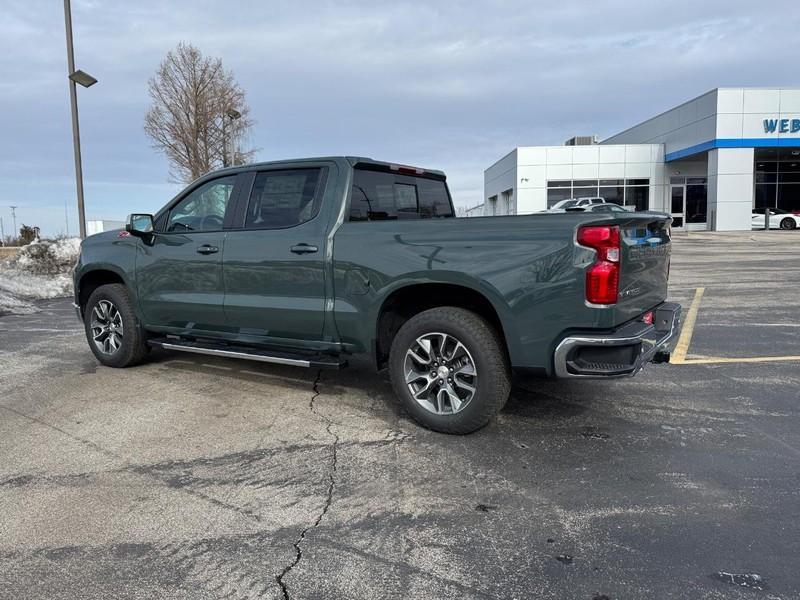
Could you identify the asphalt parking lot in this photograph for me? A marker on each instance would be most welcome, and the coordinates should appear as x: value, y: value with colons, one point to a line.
x: 191, y: 477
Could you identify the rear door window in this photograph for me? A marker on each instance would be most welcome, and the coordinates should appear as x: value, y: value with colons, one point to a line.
x: 380, y: 196
x: 281, y: 199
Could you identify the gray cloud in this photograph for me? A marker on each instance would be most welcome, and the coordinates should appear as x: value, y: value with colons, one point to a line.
x: 452, y: 85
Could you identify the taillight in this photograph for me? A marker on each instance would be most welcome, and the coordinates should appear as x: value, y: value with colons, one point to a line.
x: 602, y: 278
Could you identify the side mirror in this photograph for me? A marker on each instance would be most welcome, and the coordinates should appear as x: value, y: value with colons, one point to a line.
x: 139, y: 225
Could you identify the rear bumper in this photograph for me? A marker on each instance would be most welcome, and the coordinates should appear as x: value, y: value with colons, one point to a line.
x: 624, y: 351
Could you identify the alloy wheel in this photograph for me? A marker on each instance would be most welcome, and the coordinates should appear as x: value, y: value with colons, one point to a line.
x: 106, y: 326
x: 440, y: 373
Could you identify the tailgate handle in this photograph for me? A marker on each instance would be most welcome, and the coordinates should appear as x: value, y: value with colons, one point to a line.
x: 303, y: 249
x: 207, y: 249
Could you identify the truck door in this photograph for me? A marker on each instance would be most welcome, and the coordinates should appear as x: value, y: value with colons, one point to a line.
x: 179, y: 275
x: 274, y: 262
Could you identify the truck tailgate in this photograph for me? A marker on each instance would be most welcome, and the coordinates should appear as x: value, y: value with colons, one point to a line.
x: 645, y: 255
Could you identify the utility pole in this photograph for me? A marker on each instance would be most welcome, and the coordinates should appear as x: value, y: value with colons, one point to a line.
x: 2, y: 233
x: 85, y: 80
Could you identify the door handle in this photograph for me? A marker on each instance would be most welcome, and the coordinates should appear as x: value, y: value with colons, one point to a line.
x: 304, y: 249
x: 207, y: 249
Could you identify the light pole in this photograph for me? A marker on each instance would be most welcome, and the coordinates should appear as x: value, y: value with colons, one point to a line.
x: 14, y: 221
x: 232, y: 114
x: 85, y: 80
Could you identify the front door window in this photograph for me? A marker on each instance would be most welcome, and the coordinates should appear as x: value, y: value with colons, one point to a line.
x: 203, y: 209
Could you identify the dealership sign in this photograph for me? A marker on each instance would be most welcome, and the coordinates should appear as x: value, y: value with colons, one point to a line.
x: 781, y: 125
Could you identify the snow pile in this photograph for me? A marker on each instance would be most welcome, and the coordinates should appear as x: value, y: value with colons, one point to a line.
x: 40, y: 270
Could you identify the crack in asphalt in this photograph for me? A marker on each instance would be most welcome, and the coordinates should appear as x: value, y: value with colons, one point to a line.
x: 329, y: 494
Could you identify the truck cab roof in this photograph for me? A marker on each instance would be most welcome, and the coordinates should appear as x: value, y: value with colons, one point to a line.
x: 353, y: 161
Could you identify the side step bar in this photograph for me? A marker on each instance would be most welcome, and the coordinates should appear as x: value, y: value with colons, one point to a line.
x: 278, y: 357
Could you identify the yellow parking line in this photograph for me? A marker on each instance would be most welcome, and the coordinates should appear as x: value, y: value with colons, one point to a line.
x: 719, y: 360
x: 682, y: 347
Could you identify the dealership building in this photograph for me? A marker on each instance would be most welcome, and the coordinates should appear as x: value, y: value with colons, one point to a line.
x: 707, y: 162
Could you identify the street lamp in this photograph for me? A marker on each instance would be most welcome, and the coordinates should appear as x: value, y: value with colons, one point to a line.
x: 83, y: 78
x: 232, y: 114
x: 86, y: 80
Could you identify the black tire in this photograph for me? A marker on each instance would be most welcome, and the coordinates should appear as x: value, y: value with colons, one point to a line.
x: 788, y: 223
x: 133, y: 348
x: 486, y: 350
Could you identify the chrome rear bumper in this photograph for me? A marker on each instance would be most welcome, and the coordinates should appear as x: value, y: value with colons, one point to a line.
x: 621, y: 353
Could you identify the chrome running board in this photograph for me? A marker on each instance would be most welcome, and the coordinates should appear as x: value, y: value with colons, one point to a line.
x: 242, y: 352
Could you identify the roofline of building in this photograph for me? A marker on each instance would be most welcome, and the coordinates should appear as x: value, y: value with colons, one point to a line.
x: 502, y: 158
x: 711, y: 91
x: 663, y: 112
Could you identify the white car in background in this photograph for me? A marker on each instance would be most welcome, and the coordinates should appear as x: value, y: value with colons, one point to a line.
x: 778, y: 219
x: 587, y: 205
x: 576, y: 203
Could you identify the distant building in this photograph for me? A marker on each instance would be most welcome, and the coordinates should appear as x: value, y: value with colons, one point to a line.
x: 475, y: 211
x: 707, y: 162
x: 99, y: 226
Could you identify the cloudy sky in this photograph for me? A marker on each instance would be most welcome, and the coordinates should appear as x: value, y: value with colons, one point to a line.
x: 438, y: 83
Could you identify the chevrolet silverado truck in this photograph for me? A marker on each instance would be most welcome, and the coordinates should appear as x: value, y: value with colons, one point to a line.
x: 309, y: 262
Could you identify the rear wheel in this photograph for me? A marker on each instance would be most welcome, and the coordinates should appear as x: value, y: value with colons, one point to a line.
x: 449, y: 368
x: 112, y: 330
x: 788, y: 223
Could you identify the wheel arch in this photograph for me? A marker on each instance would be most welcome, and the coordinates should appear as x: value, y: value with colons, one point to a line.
x: 405, y: 301
x: 92, y: 279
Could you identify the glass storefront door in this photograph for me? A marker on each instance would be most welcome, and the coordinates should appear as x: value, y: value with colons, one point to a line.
x: 677, y: 203
x: 689, y: 202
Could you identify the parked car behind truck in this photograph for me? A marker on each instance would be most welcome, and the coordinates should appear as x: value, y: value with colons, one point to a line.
x: 308, y: 262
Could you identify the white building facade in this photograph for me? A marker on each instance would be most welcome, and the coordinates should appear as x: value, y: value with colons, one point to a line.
x: 99, y: 226
x: 707, y: 162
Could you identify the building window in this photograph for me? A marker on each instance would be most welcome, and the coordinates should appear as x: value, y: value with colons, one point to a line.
x: 777, y: 178
x: 638, y: 197
x: 558, y: 191
x: 627, y: 192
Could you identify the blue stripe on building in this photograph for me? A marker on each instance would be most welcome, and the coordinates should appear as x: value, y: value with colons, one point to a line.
x: 733, y: 143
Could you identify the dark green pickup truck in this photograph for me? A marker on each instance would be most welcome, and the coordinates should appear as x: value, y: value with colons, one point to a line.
x: 307, y: 262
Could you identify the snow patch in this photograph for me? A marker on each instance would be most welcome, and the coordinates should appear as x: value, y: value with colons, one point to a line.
x: 40, y: 270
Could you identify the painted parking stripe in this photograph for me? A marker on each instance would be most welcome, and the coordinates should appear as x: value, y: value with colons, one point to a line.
x: 682, y: 347
x: 721, y: 360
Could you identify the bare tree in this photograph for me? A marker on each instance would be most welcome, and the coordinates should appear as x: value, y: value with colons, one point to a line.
x: 199, y: 117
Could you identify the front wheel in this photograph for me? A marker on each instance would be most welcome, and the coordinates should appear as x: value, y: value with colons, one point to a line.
x: 112, y: 330
x: 449, y: 368
x: 788, y: 224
